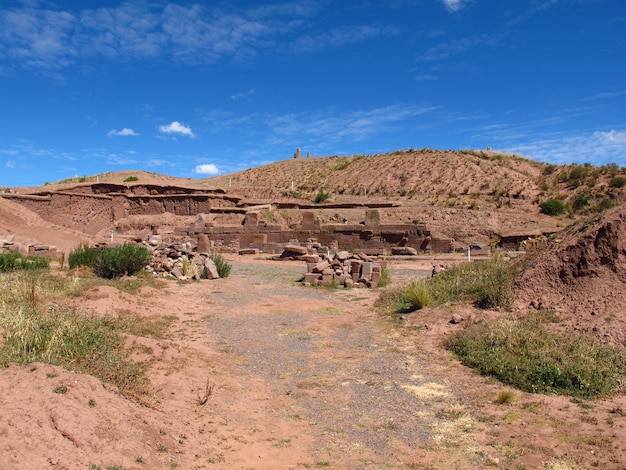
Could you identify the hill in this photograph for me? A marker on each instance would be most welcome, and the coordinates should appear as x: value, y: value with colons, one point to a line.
x: 473, y: 197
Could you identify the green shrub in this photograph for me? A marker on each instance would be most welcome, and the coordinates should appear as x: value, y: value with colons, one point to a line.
x: 130, y: 179
x: 124, y: 260
x: 552, y: 207
x: 223, y: 266
x: 321, y: 197
x: 617, y: 182
x: 83, y: 256
x: 527, y: 355
x: 14, y: 261
x: 605, y: 204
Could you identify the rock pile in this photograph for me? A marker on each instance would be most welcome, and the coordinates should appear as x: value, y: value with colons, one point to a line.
x: 181, y: 259
x: 357, y: 270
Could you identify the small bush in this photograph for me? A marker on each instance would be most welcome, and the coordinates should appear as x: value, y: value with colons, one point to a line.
x: 617, y: 182
x: 83, y: 256
x: 223, y: 266
x: 130, y: 179
x: 552, y: 207
x: 124, y: 260
x: 321, y: 197
x: 527, y: 355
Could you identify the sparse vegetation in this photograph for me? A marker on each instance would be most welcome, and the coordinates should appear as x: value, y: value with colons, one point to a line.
x: 38, y: 329
x: 527, y: 355
x: 130, y: 179
x: 617, y: 182
x: 14, y: 261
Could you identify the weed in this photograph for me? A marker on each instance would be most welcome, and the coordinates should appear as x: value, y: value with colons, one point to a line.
x: 505, y: 397
x: 130, y: 179
x: 91, y: 403
x: 61, y: 389
x: 416, y: 295
x: 208, y: 391
x: 385, y: 278
x: 321, y: 197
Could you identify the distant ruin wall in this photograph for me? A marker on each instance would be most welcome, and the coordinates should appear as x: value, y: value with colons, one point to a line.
x: 255, y: 234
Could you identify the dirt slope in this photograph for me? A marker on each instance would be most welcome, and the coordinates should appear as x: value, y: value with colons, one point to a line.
x: 582, y: 273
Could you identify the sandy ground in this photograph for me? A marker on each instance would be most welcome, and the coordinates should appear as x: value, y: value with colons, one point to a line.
x: 299, y: 378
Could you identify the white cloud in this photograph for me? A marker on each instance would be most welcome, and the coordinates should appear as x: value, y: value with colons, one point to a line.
x: 206, y: 169
x: 454, y: 5
x: 612, y: 137
x: 124, y: 132
x: 176, y: 127
x: 10, y: 164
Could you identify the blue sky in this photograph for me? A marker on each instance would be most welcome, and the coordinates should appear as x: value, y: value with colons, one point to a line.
x: 193, y: 89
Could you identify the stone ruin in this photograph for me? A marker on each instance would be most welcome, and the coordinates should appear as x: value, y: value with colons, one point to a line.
x: 30, y: 248
x: 371, y: 237
x: 357, y: 270
x: 229, y: 222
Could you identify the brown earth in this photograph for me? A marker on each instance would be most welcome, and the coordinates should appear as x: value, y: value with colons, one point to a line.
x: 301, y: 378
x: 314, y: 378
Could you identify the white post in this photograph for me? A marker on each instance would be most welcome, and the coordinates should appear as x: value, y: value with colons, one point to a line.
x: 230, y: 182
x: 469, y: 255
x: 364, y: 191
x: 292, y: 185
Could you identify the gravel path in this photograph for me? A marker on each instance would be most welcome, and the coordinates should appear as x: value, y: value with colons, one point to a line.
x: 355, y: 382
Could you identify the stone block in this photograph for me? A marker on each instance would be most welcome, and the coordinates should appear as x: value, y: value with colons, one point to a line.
x: 403, y: 251
x: 248, y: 251
x: 211, y: 269
x: 366, y: 270
x: 375, y: 279
x: 311, y: 278
x: 204, y: 245
x: 297, y: 249
x: 312, y: 259
x: 319, y: 267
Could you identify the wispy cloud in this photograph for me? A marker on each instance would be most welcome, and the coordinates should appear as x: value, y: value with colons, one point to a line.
x: 329, y: 126
x: 187, y: 33
x: 207, y: 169
x: 10, y: 164
x: 176, y: 127
x: 594, y: 148
x: 454, y: 5
x: 123, y: 132
x: 243, y: 95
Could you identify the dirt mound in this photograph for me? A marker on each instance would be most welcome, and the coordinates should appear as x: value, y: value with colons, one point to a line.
x: 582, y: 274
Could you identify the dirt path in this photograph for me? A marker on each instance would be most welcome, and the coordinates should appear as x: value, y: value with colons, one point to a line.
x: 324, y: 380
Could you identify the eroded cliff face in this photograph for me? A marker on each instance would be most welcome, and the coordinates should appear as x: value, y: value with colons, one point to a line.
x: 93, y: 207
